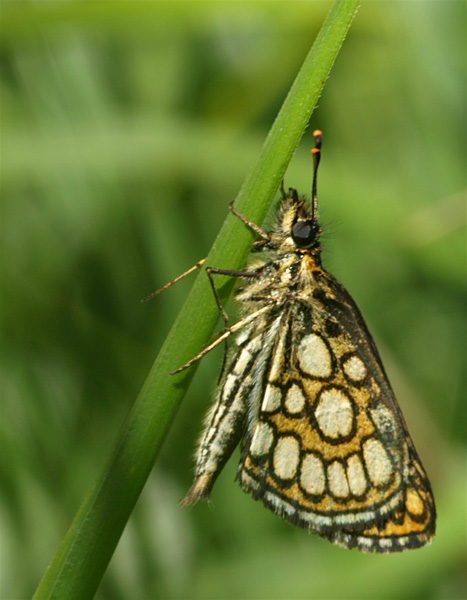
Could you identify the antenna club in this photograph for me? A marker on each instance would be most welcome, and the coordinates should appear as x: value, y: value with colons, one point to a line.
x: 318, y: 135
x: 316, y: 152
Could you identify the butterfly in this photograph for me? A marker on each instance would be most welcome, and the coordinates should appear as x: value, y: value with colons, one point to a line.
x: 324, y: 444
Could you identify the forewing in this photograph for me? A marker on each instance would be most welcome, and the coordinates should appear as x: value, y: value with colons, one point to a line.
x: 238, y: 391
x: 328, y: 448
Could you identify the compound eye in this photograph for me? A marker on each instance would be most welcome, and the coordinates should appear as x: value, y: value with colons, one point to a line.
x: 304, y: 233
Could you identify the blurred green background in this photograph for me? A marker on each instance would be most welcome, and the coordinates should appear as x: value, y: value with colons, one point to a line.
x: 127, y: 128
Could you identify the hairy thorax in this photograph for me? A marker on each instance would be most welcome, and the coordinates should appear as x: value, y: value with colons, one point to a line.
x: 286, y: 278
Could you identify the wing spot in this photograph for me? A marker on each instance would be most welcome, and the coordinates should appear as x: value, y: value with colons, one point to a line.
x: 255, y: 345
x: 312, y: 478
x: 295, y: 400
x: 286, y: 457
x: 338, y: 483
x: 262, y: 439
x: 386, y: 424
x: 356, y: 475
x: 272, y: 399
x: 228, y: 385
x: 242, y: 361
x: 414, y: 503
x: 355, y: 369
x: 334, y: 413
x: 244, y: 335
x: 377, y: 462
x: 314, y: 356
x: 277, y: 366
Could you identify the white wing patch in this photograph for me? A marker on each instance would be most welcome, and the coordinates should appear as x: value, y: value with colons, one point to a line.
x: 286, y: 457
x: 314, y: 356
x: 334, y: 413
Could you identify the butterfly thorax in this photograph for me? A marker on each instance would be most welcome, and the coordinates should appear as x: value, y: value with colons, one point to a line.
x: 293, y: 269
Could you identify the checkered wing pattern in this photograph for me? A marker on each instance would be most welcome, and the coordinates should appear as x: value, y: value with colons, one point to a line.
x: 329, y: 449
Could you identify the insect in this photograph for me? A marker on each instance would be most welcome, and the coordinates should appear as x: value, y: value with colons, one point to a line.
x: 324, y: 443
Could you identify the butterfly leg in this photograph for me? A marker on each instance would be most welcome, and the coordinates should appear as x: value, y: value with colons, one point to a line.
x: 213, y: 271
x: 233, y: 329
x: 210, y: 271
x: 250, y: 224
x: 199, y: 264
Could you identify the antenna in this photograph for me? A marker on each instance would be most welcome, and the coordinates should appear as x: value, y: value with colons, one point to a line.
x: 316, y: 151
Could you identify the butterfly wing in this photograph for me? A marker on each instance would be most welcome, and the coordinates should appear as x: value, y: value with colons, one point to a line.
x: 327, y: 447
x: 239, y: 390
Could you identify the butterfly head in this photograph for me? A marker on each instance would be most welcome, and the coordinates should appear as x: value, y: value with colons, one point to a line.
x: 298, y: 221
x: 305, y: 233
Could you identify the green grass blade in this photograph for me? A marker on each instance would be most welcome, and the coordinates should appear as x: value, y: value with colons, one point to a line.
x: 84, y: 553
